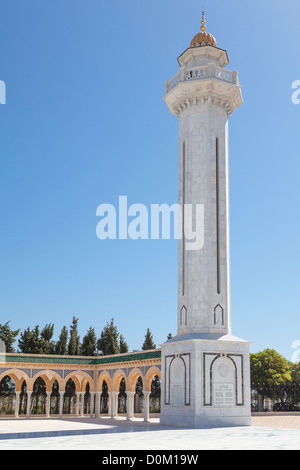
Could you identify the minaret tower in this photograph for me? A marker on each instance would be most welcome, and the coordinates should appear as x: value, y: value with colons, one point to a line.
x: 205, y: 369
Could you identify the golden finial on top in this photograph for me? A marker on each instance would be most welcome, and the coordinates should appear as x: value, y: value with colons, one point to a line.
x: 203, y: 27
x: 203, y: 38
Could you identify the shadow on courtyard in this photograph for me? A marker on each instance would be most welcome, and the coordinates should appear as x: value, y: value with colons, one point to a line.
x: 96, y: 427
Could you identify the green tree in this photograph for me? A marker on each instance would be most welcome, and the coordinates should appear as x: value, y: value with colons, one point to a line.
x: 156, y: 387
x: 123, y: 346
x: 74, y: 348
x: 8, y: 336
x: 293, y: 389
x: 47, y: 344
x: 270, y: 373
x: 89, y: 343
x: 108, y: 341
x: 149, y: 342
x: 295, y: 372
x: 30, y: 341
x: 61, y: 347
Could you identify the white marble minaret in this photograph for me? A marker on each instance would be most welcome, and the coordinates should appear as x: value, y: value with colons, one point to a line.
x: 205, y: 370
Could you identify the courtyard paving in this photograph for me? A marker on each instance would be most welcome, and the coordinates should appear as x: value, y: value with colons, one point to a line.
x: 267, y: 433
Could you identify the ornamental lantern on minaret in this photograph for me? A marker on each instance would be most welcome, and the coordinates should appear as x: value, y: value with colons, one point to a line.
x: 205, y: 368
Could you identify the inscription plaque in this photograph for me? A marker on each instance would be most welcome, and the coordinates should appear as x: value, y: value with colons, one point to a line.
x: 177, y: 395
x: 224, y: 394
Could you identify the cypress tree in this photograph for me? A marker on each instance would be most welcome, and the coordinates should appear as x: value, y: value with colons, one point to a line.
x: 149, y: 342
x: 123, y: 346
x: 61, y: 347
x: 74, y: 341
x: 108, y: 341
x: 89, y: 343
x: 48, y: 346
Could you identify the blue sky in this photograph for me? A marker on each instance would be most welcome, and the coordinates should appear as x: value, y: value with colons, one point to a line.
x: 85, y: 122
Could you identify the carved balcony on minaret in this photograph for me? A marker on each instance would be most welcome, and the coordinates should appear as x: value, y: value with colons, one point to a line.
x: 203, y: 78
x: 202, y: 72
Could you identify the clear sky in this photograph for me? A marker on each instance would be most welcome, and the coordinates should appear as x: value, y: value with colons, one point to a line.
x: 85, y: 122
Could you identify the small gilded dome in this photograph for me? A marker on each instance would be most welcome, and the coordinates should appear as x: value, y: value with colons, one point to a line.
x: 203, y: 37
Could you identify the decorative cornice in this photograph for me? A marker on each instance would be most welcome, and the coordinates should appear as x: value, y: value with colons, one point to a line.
x: 44, y: 365
x: 208, y: 100
x: 140, y: 363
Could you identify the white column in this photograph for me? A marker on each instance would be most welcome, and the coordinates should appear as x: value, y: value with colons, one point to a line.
x: 97, y: 404
x: 82, y: 404
x: 61, y: 403
x: 109, y: 404
x: 129, y: 405
x: 136, y: 402
x: 77, y: 403
x: 28, y: 404
x: 48, y: 402
x: 17, y: 404
x: 114, y: 405
x: 146, y: 405
x: 92, y: 404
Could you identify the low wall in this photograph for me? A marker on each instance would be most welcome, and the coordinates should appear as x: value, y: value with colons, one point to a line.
x: 276, y: 413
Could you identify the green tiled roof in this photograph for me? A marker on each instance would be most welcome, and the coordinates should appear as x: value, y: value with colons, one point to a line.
x: 21, y: 358
x: 80, y: 360
x: 129, y: 357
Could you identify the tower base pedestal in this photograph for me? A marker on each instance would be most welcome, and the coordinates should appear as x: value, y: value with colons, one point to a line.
x: 205, y: 381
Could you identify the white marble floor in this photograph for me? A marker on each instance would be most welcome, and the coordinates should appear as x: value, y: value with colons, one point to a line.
x: 104, y: 434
